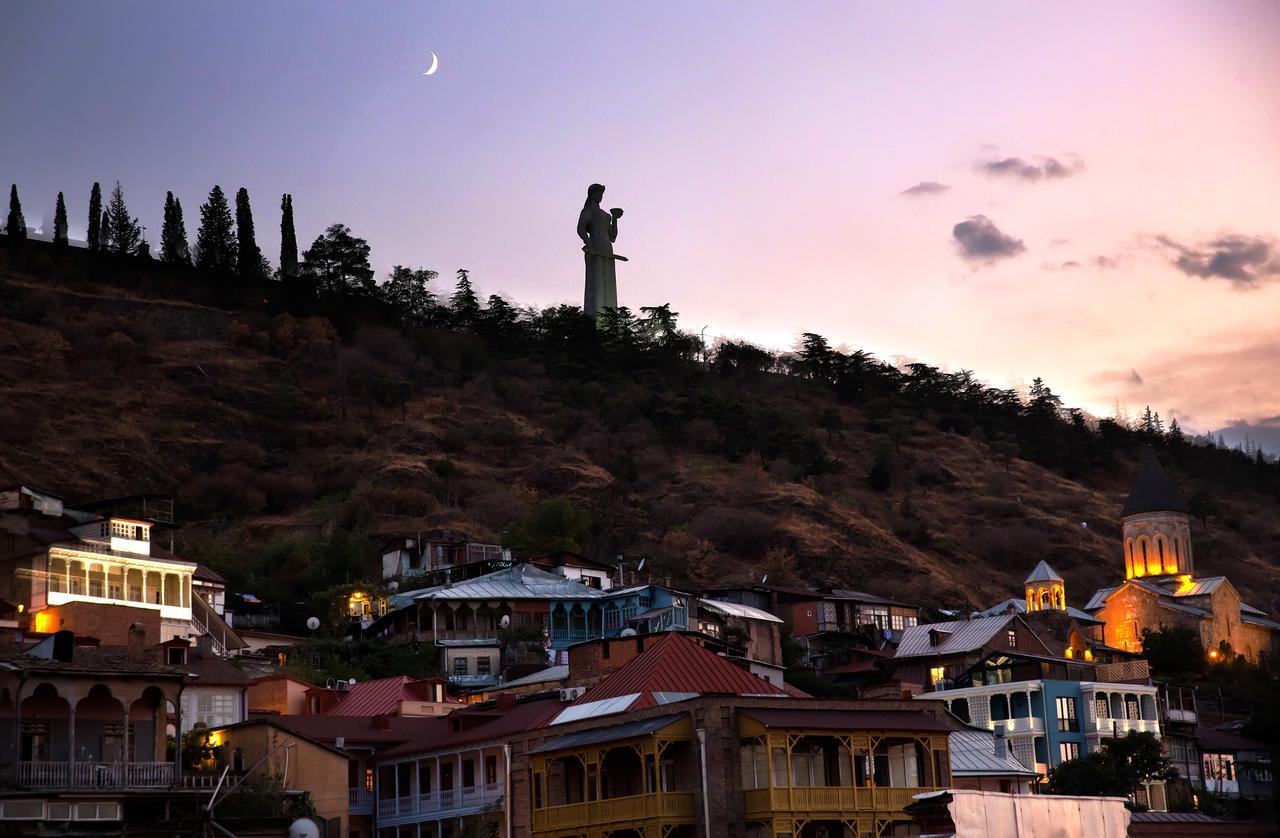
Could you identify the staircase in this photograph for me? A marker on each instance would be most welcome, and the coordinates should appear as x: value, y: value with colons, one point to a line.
x: 205, y: 621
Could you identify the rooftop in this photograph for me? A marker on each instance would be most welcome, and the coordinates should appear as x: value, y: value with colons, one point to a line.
x: 1153, y: 491
x: 383, y: 696
x: 523, y: 581
x: 1043, y: 573
x: 955, y: 637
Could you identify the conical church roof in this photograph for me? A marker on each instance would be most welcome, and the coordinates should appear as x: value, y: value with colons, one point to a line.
x: 1153, y: 491
x: 1043, y: 573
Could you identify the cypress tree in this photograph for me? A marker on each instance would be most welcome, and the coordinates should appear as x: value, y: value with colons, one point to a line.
x: 173, y: 235
x: 248, y: 256
x: 216, y: 240
x: 288, y: 239
x: 122, y: 227
x: 104, y: 232
x: 95, y: 218
x: 60, y: 222
x: 16, y: 226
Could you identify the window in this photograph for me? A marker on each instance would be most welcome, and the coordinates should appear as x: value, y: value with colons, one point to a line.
x: 755, y: 766
x: 1068, y: 750
x: 215, y: 709
x: 897, y: 622
x: 1101, y: 709
x: 1011, y: 637
x: 936, y: 674
x: 482, y: 665
x: 1219, y: 767
x: 1067, y: 720
x: 468, y: 773
x: 876, y: 615
x: 459, y: 666
x: 176, y: 656
x: 491, y: 770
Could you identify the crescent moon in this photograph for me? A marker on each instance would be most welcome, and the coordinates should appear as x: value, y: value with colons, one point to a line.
x: 435, y: 65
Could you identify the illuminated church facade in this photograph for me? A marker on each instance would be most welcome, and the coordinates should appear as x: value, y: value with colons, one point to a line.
x: 1161, y: 588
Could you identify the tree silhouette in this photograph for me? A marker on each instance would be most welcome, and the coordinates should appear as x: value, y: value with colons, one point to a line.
x: 123, y: 228
x: 104, y: 232
x: 16, y: 226
x: 248, y: 256
x: 60, y: 222
x: 338, y: 262
x: 407, y: 294
x: 216, y: 240
x: 288, y: 239
x: 94, y: 234
x: 173, y: 235
x: 464, y: 305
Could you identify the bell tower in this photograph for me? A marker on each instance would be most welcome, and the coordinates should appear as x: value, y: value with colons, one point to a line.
x: 1157, y: 527
x: 1045, y: 589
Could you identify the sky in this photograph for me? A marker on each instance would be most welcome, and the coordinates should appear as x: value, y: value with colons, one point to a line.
x: 1085, y: 192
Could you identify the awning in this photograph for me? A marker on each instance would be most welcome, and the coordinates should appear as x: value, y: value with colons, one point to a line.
x: 614, y: 733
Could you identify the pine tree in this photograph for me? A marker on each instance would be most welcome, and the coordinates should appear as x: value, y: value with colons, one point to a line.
x: 94, y: 234
x: 216, y: 240
x: 288, y: 239
x: 16, y: 226
x: 1148, y: 425
x: 60, y: 222
x: 104, y: 232
x: 1175, y: 435
x: 173, y: 235
x: 123, y: 228
x: 248, y: 256
x: 464, y: 304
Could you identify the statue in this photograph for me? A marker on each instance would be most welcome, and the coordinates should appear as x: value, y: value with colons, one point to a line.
x: 598, y: 230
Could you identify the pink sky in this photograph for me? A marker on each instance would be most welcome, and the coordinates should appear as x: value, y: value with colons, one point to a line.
x: 759, y: 150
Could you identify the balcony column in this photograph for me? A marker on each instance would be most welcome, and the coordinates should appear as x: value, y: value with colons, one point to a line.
x: 71, y: 743
x: 1030, y: 715
x: 124, y: 738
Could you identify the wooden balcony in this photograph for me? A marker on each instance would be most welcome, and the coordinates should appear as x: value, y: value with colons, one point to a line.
x: 95, y: 775
x: 669, y: 808
x: 827, y: 800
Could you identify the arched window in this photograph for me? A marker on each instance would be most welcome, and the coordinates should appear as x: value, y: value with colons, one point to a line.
x: 1151, y: 559
x: 1046, y: 599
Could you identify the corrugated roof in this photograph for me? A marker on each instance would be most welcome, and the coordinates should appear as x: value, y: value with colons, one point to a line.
x: 523, y: 581
x: 973, y: 754
x: 1099, y: 598
x: 1043, y: 573
x: 964, y: 636
x: 863, y: 597
x: 363, y: 730
x: 551, y: 673
x: 674, y: 663
x: 795, y: 719
x: 1254, y: 619
x: 733, y: 609
x: 380, y: 697
x: 613, y: 733
x: 481, y: 724
x: 1200, y: 587
x: 1153, y: 491
x: 1226, y: 741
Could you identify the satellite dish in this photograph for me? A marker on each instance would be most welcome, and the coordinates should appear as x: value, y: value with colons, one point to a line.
x: 764, y: 579
x: 313, y: 623
x: 641, y: 565
x: 304, y: 828
x: 627, y: 632
x: 505, y: 621
x: 351, y: 681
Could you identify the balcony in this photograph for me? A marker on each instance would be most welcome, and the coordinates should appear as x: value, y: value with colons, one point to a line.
x: 433, y: 804
x: 1119, y: 727
x: 95, y: 775
x: 1180, y: 716
x: 832, y: 800
x: 670, y: 807
x: 360, y: 801
x: 1018, y: 727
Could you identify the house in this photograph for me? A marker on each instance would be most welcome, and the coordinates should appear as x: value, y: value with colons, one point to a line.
x: 439, y: 556
x: 83, y: 727
x: 398, y: 695
x: 1051, y: 710
x: 676, y: 742
x: 577, y: 567
x: 1161, y: 589
x: 278, y: 694
x: 1233, y: 765
x: 218, y: 692
x: 932, y: 654
x: 1067, y: 631
x: 341, y: 789
x: 982, y: 761
x: 753, y: 633
x: 92, y: 570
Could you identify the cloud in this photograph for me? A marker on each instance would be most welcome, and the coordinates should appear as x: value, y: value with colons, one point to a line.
x: 1134, y: 378
x: 1042, y: 168
x: 1244, y: 261
x: 980, y: 240
x: 1262, y: 433
x: 925, y: 187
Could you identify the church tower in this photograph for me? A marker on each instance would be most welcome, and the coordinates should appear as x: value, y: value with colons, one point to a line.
x: 1157, y: 528
x: 1045, y: 589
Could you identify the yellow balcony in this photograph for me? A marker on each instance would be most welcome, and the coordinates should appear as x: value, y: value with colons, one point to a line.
x: 668, y: 808
x: 833, y: 800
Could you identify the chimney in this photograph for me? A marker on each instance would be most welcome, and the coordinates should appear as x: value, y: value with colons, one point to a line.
x: 204, y: 645
x: 137, y: 641
x: 1001, y: 743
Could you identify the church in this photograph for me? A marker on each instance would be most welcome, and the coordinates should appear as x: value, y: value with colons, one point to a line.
x: 1161, y: 589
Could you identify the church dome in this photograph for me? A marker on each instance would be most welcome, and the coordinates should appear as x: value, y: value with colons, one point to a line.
x: 1153, y: 491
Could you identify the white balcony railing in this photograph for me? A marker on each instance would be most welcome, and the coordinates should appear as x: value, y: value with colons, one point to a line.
x: 359, y: 801
x: 1119, y: 727
x: 1021, y: 726
x: 443, y: 801
x: 95, y: 775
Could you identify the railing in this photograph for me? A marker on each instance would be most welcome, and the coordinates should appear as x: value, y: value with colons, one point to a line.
x: 1119, y: 727
x: 95, y: 775
x: 828, y: 799
x: 1175, y: 714
x: 671, y: 806
x: 359, y: 801
x: 437, y: 802
x: 1021, y: 726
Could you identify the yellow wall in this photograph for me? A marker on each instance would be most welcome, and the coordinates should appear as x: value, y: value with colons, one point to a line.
x: 316, y: 769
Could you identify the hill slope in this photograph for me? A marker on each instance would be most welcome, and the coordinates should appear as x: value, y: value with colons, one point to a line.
x: 291, y: 451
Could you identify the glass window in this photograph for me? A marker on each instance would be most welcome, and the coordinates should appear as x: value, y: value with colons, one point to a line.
x: 482, y: 665
x: 1011, y: 637
x: 897, y: 622
x: 215, y: 709
x: 1067, y: 720
x: 1068, y: 750
x: 459, y: 666
x: 1101, y: 708
x: 936, y: 674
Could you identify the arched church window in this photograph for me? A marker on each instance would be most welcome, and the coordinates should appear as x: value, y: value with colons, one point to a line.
x: 1046, y: 599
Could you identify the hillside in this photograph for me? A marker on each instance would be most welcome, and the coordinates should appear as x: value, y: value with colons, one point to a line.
x: 291, y: 450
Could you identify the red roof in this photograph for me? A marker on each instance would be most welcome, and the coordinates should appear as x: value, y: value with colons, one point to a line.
x: 846, y: 719
x: 384, y: 731
x: 674, y: 663
x: 481, y: 725
x: 383, y: 696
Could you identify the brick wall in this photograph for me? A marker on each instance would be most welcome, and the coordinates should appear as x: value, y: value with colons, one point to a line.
x: 108, y: 623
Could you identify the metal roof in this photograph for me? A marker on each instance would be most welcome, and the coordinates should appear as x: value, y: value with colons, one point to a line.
x: 1099, y: 598
x: 380, y: 697
x: 674, y: 663
x: 1153, y: 491
x: 964, y: 636
x: 613, y: 733
x: 733, y: 609
x: 551, y: 673
x: 522, y: 581
x: 1254, y: 619
x: 974, y: 754
x: 1043, y: 573
x: 1200, y: 587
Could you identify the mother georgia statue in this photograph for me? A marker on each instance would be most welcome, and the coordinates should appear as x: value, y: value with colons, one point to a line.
x: 598, y: 230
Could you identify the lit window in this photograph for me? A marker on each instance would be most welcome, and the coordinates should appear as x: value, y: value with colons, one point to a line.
x: 936, y: 674
x: 1011, y: 637
x: 1068, y: 751
x: 1067, y: 720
